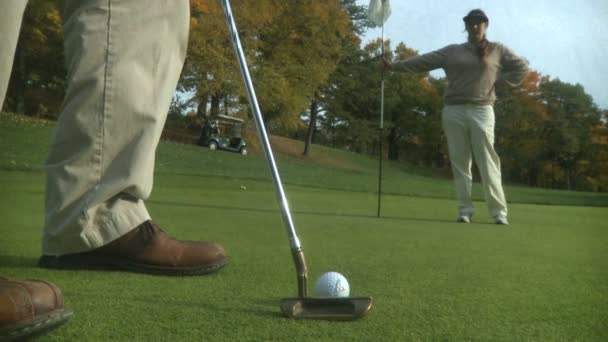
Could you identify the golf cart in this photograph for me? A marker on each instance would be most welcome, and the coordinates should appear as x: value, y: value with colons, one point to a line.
x: 224, y: 133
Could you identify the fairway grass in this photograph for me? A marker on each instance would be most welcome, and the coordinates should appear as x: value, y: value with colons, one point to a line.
x: 543, y: 278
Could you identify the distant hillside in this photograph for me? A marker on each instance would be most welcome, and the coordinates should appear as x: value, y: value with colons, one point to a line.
x: 24, y: 145
x: 280, y: 145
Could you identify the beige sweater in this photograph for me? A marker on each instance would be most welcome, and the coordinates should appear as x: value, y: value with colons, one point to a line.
x: 470, y: 81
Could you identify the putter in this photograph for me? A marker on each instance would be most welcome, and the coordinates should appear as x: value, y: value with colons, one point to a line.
x: 302, y: 307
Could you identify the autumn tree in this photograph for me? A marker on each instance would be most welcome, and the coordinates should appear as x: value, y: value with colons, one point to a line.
x: 544, y: 133
x: 291, y: 49
x: 37, y: 83
x: 520, y: 120
x: 349, y: 45
x: 210, y: 71
x: 597, y: 170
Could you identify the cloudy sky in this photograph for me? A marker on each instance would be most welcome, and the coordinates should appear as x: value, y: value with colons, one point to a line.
x: 563, y: 39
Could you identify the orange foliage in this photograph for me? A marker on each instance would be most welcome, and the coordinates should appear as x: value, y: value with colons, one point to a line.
x: 199, y: 6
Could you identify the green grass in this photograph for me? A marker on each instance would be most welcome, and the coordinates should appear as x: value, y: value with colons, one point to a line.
x: 544, y: 277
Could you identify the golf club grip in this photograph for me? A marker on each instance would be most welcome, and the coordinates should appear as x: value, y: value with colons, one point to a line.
x: 253, y: 101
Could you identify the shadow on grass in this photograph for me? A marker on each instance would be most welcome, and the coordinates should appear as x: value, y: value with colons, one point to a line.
x: 253, y: 307
x: 12, y: 261
x: 233, y: 208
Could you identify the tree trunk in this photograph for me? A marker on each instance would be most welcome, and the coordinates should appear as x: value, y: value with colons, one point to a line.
x: 215, y: 104
x: 393, y: 146
x: 226, y: 105
x: 20, y: 82
x: 201, y: 109
x: 314, y: 110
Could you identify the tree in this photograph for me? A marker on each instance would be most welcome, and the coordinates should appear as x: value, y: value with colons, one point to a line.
x: 291, y: 49
x: 349, y: 43
x: 572, y: 116
x: 520, y: 118
x: 358, y: 16
x: 305, y: 47
x: 352, y: 101
x: 598, y: 164
x: 37, y: 84
x: 412, y: 105
x: 414, y: 116
x: 210, y: 71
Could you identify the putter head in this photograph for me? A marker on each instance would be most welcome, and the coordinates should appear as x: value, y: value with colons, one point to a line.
x: 332, y: 309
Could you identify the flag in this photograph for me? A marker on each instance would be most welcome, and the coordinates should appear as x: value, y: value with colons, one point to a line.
x: 378, y: 11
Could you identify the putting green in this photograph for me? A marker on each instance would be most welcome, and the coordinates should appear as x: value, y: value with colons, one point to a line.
x: 544, y: 277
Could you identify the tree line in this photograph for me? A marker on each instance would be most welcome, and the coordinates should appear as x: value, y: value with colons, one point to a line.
x: 316, y: 82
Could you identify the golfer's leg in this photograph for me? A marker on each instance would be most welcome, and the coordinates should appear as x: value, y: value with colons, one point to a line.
x: 457, y: 134
x: 11, y: 13
x: 124, y: 58
x: 488, y: 162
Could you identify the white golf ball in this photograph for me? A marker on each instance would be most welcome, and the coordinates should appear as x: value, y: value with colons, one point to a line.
x: 332, y: 284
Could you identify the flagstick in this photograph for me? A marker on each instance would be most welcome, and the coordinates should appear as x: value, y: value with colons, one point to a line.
x: 381, y: 126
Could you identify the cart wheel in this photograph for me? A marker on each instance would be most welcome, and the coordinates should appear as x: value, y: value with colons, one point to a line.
x: 213, y: 145
x: 244, y: 151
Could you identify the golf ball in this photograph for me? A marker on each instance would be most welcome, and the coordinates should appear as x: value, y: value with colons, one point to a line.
x: 332, y: 284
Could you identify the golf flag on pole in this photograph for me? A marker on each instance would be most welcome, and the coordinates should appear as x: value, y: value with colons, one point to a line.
x: 379, y: 11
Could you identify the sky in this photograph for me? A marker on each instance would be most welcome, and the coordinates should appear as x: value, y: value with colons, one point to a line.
x: 561, y: 39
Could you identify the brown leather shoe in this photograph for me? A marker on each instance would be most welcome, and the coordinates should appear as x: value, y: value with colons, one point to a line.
x: 29, y: 308
x: 146, y: 249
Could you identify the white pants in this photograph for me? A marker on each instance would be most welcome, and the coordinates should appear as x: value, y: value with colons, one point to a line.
x: 470, y: 133
x: 124, y: 58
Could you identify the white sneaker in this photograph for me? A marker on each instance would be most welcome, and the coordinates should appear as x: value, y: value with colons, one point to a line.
x: 501, y: 220
x: 464, y: 219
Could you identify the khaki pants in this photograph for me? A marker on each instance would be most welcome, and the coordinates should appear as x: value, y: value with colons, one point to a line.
x: 124, y: 58
x: 470, y: 133
x: 11, y: 12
